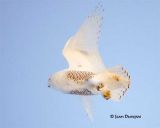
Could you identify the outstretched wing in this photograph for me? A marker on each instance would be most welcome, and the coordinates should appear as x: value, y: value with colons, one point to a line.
x: 81, y: 50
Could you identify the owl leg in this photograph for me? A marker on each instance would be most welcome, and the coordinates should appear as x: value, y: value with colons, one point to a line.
x: 105, y: 92
x: 100, y: 86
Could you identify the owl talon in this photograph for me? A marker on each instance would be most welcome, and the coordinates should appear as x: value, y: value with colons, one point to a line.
x: 100, y: 86
x: 107, y: 94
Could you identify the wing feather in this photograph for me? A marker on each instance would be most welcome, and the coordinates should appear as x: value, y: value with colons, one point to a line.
x: 81, y: 50
x: 86, y: 100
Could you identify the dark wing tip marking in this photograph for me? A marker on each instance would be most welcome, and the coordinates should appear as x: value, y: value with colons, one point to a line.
x: 81, y: 92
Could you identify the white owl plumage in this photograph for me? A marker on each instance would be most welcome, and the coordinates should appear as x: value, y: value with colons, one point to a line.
x: 87, y: 74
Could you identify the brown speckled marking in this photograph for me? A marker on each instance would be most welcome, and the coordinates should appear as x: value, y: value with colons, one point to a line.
x: 79, y: 76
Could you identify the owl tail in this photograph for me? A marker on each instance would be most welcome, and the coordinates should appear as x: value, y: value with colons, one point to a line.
x: 113, y: 83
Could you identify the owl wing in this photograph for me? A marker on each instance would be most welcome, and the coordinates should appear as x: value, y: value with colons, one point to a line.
x: 81, y: 50
x: 86, y: 101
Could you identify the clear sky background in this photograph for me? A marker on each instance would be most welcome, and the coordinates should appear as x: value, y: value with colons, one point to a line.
x: 32, y: 36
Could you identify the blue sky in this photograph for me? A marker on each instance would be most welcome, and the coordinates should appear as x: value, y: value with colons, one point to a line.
x: 32, y: 36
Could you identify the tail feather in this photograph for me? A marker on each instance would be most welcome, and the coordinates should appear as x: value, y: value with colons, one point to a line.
x: 114, y: 83
x: 121, y: 71
x: 116, y: 95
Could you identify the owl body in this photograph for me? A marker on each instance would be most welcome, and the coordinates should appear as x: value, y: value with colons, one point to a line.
x: 79, y: 82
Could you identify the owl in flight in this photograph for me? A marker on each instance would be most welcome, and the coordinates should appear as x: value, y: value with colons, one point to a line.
x: 87, y: 74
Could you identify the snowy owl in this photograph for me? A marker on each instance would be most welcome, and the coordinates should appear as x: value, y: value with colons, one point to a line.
x: 87, y: 74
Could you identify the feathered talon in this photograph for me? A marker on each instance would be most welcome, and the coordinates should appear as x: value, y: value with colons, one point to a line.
x: 107, y: 94
x: 100, y: 86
